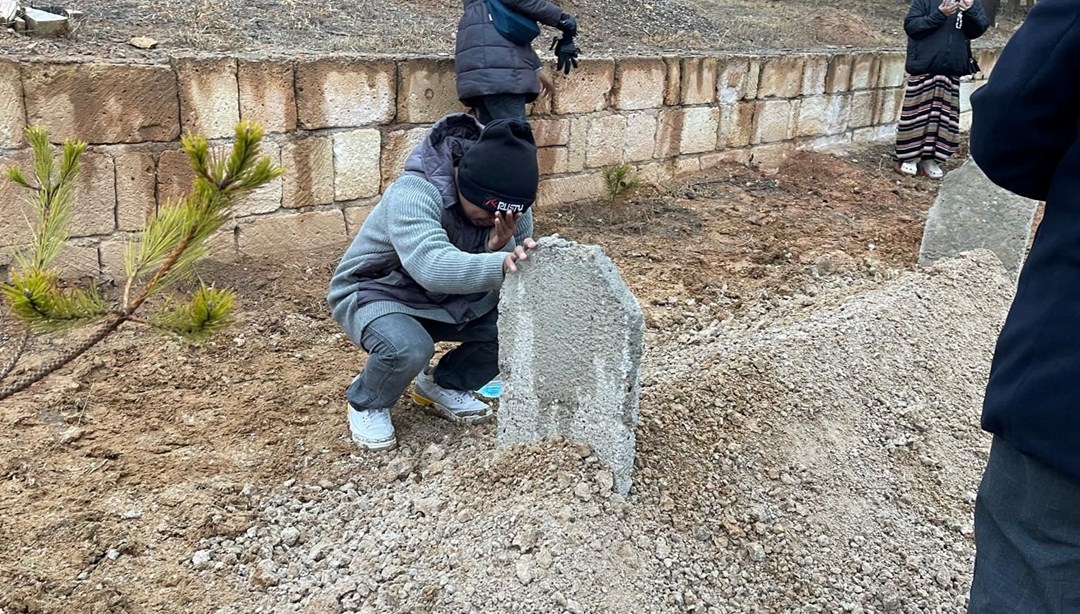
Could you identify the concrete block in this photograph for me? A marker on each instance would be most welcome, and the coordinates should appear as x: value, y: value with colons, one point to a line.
x: 266, y: 199
x: 864, y: 108
x: 815, y: 73
x: 891, y: 69
x: 282, y: 234
x: 309, y: 172
x: 965, y: 121
x: 571, y: 376
x: 967, y: 88
x: 669, y: 133
x: 864, y: 71
x: 838, y: 76
x: 874, y: 134
x: 396, y: 148
x: 699, y: 80
x: 824, y: 143
x: 699, y: 130
x: 136, y: 189
x: 356, y: 164
x: 891, y: 101
x: 639, y: 84
x: 427, y: 90
x: 736, y: 125
x: 572, y: 189
x: 268, y: 93
x: 354, y: 218
x: 773, y: 120
x: 734, y: 80
x: 673, y: 80
x: 222, y: 245
x: 209, y: 96
x: 781, y: 77
x: 578, y: 147
x: 969, y: 213
x: 607, y: 140
x: 548, y: 132
x: 722, y: 158
x: 770, y: 158
x: 837, y: 113
x: 687, y: 165
x: 95, y: 197
x: 340, y: 92
x: 15, y: 226
x: 102, y: 103
x: 657, y: 174
x: 552, y: 160
x: 585, y: 90
x: 111, y: 256
x: 175, y: 176
x: 78, y: 259
x: 640, y: 136
x: 12, y: 113
x: 812, y: 117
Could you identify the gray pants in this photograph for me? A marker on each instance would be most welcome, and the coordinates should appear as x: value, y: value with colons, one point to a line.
x: 400, y: 346
x: 1027, y: 537
x: 500, y: 106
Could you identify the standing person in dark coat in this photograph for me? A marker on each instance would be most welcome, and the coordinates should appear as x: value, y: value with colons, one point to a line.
x: 494, y: 75
x: 1025, y: 136
x: 939, y: 53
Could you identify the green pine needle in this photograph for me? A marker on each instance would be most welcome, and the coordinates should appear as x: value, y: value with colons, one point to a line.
x: 208, y: 311
x: 36, y: 298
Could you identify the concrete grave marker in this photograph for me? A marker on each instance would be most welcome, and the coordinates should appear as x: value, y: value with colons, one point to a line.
x: 970, y: 212
x: 570, y: 343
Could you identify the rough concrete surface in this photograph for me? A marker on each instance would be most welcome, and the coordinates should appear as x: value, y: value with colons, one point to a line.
x: 570, y: 345
x: 972, y: 213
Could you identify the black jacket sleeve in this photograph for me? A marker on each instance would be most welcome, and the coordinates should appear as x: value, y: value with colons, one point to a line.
x: 923, y: 19
x: 543, y: 11
x: 975, y: 21
x: 1025, y: 118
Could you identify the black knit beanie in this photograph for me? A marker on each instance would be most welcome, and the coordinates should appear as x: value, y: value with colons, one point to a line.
x: 499, y: 172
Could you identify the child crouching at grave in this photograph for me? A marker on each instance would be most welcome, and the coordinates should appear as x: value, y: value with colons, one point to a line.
x: 427, y: 266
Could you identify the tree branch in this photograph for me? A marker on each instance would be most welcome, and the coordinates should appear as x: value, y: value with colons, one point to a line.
x: 50, y: 367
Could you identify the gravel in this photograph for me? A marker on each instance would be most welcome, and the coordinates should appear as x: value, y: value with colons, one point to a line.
x: 817, y: 455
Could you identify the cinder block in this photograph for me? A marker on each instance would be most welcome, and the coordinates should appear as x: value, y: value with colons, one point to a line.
x: 838, y: 113
x: 967, y: 88
x: 891, y: 69
x: 578, y: 148
x: 673, y: 80
x: 864, y: 71
x: 736, y: 124
x: 268, y: 93
x: 687, y: 165
x: 78, y: 259
x: 339, y: 92
x: 699, y: 80
x: 640, y: 136
x: 12, y: 113
x: 396, y: 148
x: 607, y: 139
x: 891, y: 101
x: 639, y: 83
x: 111, y: 257
x: 136, y: 183
x: 309, y: 172
x: 574, y: 188
x: 281, y: 234
x: 669, y: 133
x: 781, y: 77
x: 95, y: 197
x: 548, y: 132
x: 586, y: 384
x: 838, y: 77
x: 356, y: 164
x: 552, y: 160
x: 585, y: 90
x: 427, y: 90
x: 770, y: 158
x: 209, y: 99
x: 175, y: 177
x: 266, y: 199
x: 815, y: 73
x: 812, y: 116
x: 722, y: 158
x: 15, y: 226
x: 864, y: 107
x: 657, y: 174
x: 102, y: 103
x: 734, y: 80
x: 773, y: 121
x: 699, y: 130
x: 355, y: 216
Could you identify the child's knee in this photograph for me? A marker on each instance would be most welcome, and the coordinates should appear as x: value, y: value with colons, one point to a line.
x: 413, y: 354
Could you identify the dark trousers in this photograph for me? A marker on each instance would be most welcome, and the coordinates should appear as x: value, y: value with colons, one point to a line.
x: 1027, y: 537
x: 500, y: 106
x: 401, y: 346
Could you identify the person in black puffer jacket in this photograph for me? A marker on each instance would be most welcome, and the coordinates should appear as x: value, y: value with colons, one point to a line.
x: 495, y: 76
x: 939, y: 53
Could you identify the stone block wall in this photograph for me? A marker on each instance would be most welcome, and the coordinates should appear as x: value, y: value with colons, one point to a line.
x: 342, y: 127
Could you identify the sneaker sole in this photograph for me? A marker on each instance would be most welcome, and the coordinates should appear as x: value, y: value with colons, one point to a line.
x: 375, y: 446
x: 440, y: 411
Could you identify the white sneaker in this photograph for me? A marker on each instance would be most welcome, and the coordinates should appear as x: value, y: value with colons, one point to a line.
x: 454, y: 405
x: 909, y: 168
x: 931, y: 168
x: 372, y: 429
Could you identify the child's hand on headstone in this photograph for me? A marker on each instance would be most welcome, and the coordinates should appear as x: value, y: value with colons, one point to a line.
x: 521, y: 252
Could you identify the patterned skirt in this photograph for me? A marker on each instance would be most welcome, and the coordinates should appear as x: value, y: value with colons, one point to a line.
x: 930, y: 120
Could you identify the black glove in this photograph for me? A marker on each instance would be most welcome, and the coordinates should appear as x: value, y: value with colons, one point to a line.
x: 566, y: 53
x: 567, y: 24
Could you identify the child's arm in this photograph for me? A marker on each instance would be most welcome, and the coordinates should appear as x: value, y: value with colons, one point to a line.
x: 541, y: 10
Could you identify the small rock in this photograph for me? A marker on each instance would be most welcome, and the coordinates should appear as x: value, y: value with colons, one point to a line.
x: 143, y: 42
x: 318, y: 552
x: 524, y: 572
x: 756, y: 552
x: 574, y: 607
x: 131, y: 515
x: 605, y: 479
x: 629, y: 554
x: 72, y: 435
x: 290, y: 536
x: 434, y: 452
x: 112, y: 554
x: 583, y: 449
x: 201, y: 559
x: 323, y: 604
x: 399, y: 469
x: 526, y: 540
x: 583, y: 491
x: 544, y: 558
x: 265, y: 574
x: 943, y: 579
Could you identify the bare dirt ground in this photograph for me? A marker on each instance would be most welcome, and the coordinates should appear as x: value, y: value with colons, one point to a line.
x: 115, y: 471
x: 428, y: 27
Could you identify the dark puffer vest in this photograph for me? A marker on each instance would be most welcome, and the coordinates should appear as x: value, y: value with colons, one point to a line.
x: 935, y: 45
